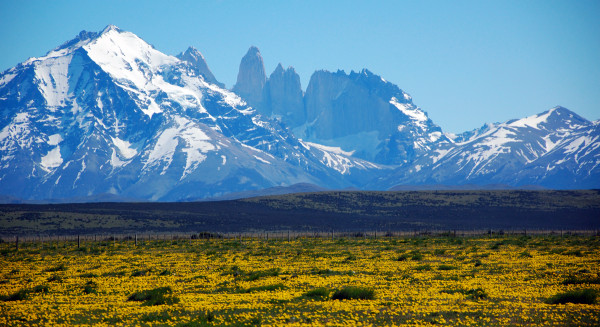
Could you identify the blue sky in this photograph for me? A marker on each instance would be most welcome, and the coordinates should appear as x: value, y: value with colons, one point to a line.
x: 464, y: 62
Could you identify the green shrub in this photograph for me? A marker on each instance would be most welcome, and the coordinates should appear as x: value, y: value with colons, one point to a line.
x: 203, y: 319
x: 472, y: 294
x: 476, y: 294
x: 90, y: 288
x: 447, y: 267
x: 586, y: 296
x: 263, y: 273
x: 19, y: 295
x: 55, y: 278
x: 114, y: 274
x: 88, y: 275
x: 60, y: 267
x: 525, y: 254
x: 140, y: 272
x: 354, y: 293
x: 576, y: 253
x: 574, y: 280
x: 162, y: 316
x: 272, y: 287
x: 426, y: 267
x: 403, y: 257
x: 41, y: 289
x: 439, y: 252
x: 416, y: 256
x: 155, y: 296
x: 317, y: 293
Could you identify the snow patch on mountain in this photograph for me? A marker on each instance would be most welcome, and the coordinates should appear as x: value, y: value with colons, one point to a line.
x: 330, y: 149
x: 415, y: 114
x: 338, y: 159
x: 124, y: 148
x: 51, y: 160
x: 53, y: 79
x: 532, y: 121
x: 54, y: 139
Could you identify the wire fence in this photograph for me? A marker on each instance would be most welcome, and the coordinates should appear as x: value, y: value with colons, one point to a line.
x: 136, y: 239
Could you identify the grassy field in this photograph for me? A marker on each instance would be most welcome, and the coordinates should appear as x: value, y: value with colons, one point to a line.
x: 519, y: 281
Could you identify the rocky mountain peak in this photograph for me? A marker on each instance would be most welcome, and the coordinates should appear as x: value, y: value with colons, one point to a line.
x: 110, y: 28
x: 283, y: 96
x: 196, y: 59
x: 251, y: 77
x: 278, y: 70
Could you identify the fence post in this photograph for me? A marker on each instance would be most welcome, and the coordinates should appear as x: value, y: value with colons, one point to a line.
x: 78, y: 241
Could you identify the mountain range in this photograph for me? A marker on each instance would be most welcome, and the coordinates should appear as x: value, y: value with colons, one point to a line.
x: 106, y: 114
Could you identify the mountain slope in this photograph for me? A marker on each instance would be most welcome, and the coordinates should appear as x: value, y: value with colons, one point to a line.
x: 555, y: 149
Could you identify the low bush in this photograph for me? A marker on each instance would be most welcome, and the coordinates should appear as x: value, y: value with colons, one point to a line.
x: 317, y: 293
x: 90, y: 288
x: 263, y: 273
x: 157, y: 296
x: 354, y: 293
x: 88, y: 275
x: 60, y: 267
x: 19, y: 295
x: 41, y: 289
x: 426, y: 267
x: 140, y: 272
x: 585, y: 296
x: 55, y: 278
x: 525, y: 254
x: 272, y: 287
x: 472, y: 294
x: 447, y: 267
x: 574, y: 280
x: 416, y: 256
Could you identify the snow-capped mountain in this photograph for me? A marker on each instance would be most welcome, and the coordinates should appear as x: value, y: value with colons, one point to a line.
x: 555, y: 149
x: 108, y: 113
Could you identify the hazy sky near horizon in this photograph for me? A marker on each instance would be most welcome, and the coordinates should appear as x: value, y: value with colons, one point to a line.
x: 465, y: 63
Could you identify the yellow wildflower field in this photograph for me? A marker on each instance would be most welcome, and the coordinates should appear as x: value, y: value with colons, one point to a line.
x: 454, y: 281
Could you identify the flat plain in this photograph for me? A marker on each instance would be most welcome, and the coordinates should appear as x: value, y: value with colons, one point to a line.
x: 349, y: 211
